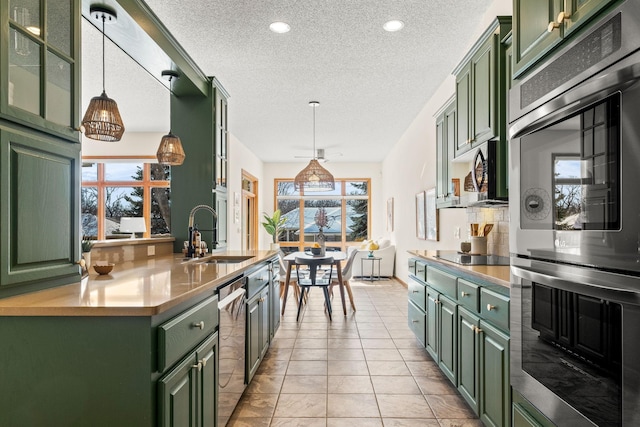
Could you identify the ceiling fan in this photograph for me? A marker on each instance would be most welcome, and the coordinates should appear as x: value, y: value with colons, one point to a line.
x: 321, y: 156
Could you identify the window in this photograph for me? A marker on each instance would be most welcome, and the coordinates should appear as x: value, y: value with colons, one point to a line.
x: 347, y: 208
x: 112, y: 191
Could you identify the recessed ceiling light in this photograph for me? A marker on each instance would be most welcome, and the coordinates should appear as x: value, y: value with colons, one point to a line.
x: 280, y: 27
x: 393, y: 25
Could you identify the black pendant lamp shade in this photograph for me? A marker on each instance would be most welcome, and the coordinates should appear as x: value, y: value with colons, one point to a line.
x: 102, y: 119
x: 170, y: 151
x: 314, y: 178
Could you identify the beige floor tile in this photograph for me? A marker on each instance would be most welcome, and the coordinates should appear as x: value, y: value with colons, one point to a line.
x: 273, y: 367
x: 265, y: 384
x: 307, y: 367
x: 256, y: 406
x: 411, y: 422
x: 378, y: 343
x: 344, y: 343
x: 283, y: 343
x: 299, y: 422
x: 395, y: 385
x: 423, y: 368
x: 404, y: 406
x: 278, y: 353
x: 414, y: 354
x: 351, y: 422
x: 346, y: 354
x: 313, y: 333
x: 408, y: 343
x: 286, y: 333
x: 354, y: 384
x: 310, y: 342
x: 249, y: 422
x: 460, y: 423
x: 382, y: 354
x: 401, y: 333
x: 378, y: 367
x: 309, y: 354
x: 340, y: 333
x: 348, y: 367
x: 352, y: 406
x: 374, y: 333
x: 439, y: 385
x: 305, y: 384
x: 449, y: 406
x: 301, y: 406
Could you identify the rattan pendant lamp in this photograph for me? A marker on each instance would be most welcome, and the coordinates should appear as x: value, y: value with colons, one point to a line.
x: 102, y: 119
x: 314, y: 178
x: 170, y: 151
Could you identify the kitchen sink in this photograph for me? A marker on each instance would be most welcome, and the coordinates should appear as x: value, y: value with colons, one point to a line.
x: 227, y: 259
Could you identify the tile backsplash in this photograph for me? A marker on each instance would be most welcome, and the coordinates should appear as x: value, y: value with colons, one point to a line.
x: 498, y: 238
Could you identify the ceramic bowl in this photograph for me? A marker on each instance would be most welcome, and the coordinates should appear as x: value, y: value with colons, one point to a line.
x: 315, y: 251
x: 103, y: 269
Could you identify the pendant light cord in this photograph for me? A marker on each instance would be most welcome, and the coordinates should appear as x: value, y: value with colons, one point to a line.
x: 103, y: 19
x: 314, y: 132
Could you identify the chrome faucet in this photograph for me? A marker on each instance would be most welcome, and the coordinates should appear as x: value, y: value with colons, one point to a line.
x: 192, y: 247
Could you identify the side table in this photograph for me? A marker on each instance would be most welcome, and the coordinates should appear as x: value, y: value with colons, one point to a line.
x: 373, y: 276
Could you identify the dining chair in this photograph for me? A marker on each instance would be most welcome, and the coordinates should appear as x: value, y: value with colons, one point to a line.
x: 347, y: 272
x: 316, y: 277
x: 293, y: 281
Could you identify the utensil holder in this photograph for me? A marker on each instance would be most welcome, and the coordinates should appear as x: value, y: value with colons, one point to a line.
x: 479, y: 245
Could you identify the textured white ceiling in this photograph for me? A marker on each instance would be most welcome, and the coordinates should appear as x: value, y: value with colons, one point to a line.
x: 371, y: 84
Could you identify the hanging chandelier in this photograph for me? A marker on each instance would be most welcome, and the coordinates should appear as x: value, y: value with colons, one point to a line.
x: 102, y: 119
x: 314, y: 178
x: 170, y: 151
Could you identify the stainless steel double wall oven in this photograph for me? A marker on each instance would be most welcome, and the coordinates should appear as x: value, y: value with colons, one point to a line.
x: 575, y: 228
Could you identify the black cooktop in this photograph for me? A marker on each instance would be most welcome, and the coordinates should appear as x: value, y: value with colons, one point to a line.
x: 470, y: 259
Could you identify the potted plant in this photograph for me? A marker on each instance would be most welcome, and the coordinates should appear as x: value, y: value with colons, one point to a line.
x: 273, y: 224
x: 86, y: 246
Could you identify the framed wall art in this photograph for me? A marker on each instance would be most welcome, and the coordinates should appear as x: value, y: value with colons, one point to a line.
x: 431, y: 214
x: 421, y: 223
x: 390, y: 214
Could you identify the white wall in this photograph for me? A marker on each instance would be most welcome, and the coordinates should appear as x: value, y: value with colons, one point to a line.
x: 410, y: 167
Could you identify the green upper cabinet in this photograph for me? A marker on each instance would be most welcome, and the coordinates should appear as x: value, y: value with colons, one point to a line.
x: 39, y: 65
x: 445, y: 148
x: 479, y: 90
x: 541, y: 25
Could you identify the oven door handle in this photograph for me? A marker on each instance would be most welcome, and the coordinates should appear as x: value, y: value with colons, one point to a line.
x: 237, y: 294
x: 589, y: 288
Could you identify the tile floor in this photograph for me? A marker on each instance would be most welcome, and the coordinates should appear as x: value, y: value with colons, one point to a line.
x: 363, y: 369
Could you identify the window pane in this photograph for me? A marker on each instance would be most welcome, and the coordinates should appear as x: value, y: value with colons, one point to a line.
x: 335, y: 192
x: 290, y: 210
x: 357, y: 220
x: 160, y: 172
x: 286, y: 188
x: 357, y: 188
x: 24, y: 73
x: 160, y: 210
x: 26, y: 13
x: 59, y: 24
x: 58, y: 90
x: 123, y: 171
x: 89, y: 210
x: 326, y: 214
x: 121, y: 202
x: 89, y: 172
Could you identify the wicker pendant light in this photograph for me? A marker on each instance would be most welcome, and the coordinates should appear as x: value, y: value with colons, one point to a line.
x: 102, y: 119
x: 314, y: 178
x: 170, y: 151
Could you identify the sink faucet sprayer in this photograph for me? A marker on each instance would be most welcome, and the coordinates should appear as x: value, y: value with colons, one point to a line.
x: 194, y: 234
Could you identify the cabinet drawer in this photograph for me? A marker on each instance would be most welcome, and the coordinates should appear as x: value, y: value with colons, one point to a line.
x: 417, y: 293
x: 421, y: 271
x: 469, y: 295
x: 257, y: 280
x: 180, y: 334
x: 442, y: 282
x: 412, y: 266
x: 494, y: 308
x: 417, y: 320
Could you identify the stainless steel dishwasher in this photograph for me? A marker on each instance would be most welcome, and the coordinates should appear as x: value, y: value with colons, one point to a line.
x: 231, y: 351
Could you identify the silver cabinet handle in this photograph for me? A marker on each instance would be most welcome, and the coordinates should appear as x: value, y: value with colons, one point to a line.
x: 199, y: 324
x: 491, y: 307
x: 415, y: 321
x: 464, y: 294
x: 416, y: 292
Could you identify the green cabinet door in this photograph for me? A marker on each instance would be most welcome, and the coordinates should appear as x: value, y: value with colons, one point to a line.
x: 530, y: 31
x: 468, y: 357
x: 448, y: 360
x: 253, y: 337
x: 207, y: 356
x: 494, y: 377
x: 577, y: 12
x: 221, y: 208
x: 432, y: 338
x: 178, y: 393
x: 463, y: 111
x: 445, y: 149
x: 483, y: 101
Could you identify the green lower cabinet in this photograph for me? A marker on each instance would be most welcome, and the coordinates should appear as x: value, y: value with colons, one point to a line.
x: 417, y: 320
x: 494, y: 376
x: 188, y: 392
x: 469, y: 357
x: 432, y: 339
x: 257, y: 331
x: 448, y: 338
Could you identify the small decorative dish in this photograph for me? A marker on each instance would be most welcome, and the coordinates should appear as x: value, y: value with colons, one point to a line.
x: 103, y: 268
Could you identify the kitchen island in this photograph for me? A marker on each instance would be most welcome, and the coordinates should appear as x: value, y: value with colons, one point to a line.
x: 136, y: 347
